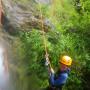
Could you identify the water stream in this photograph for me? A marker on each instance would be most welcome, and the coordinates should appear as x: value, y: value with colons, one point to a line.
x: 4, y: 72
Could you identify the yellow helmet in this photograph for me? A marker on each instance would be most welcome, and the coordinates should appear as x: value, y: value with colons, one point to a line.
x: 66, y: 60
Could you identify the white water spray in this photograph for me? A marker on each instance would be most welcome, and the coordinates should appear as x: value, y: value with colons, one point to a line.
x: 4, y: 74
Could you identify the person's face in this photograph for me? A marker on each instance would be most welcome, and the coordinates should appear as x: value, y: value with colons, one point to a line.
x: 63, y: 67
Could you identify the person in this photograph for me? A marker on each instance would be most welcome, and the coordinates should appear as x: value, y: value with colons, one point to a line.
x: 57, y: 80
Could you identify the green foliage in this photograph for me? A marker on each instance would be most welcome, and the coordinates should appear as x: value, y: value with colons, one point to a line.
x: 70, y: 37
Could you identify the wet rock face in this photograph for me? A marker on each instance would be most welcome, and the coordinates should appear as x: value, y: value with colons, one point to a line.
x: 23, y: 15
x: 15, y: 12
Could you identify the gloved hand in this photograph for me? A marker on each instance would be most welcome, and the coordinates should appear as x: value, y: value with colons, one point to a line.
x: 47, y: 62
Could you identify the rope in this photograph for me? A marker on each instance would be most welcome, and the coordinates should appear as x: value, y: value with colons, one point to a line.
x: 42, y: 24
x: 44, y: 38
x: 42, y: 27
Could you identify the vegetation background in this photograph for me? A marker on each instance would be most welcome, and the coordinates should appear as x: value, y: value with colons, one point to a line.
x: 68, y: 34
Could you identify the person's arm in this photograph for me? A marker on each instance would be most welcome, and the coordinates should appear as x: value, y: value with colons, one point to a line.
x: 48, y: 64
x: 59, y: 81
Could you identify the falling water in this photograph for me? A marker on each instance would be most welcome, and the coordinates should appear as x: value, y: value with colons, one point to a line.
x: 4, y: 73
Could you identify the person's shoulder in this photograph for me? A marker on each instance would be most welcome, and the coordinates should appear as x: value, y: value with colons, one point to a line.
x: 63, y: 75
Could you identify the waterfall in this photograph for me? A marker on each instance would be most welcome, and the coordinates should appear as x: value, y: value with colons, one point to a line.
x: 4, y: 74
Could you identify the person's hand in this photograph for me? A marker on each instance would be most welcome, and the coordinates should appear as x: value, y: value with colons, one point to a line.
x: 47, y: 62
